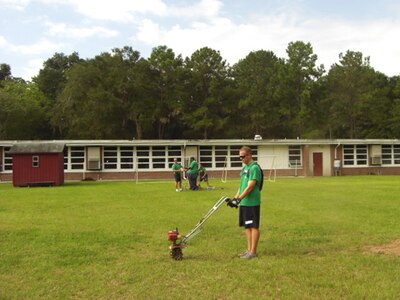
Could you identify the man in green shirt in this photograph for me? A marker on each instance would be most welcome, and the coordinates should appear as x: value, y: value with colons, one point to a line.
x: 176, y: 169
x: 203, y: 176
x: 249, y: 197
x: 192, y: 174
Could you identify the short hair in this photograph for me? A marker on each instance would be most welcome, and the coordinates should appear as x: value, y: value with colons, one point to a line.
x: 246, y: 149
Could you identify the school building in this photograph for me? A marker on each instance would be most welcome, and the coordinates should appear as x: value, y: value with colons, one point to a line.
x: 152, y: 159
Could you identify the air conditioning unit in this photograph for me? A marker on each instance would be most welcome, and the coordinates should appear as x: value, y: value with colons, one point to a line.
x: 376, y: 160
x: 94, y: 164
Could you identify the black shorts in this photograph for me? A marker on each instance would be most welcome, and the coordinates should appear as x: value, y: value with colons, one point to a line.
x: 204, y: 178
x: 178, y: 177
x: 249, y: 216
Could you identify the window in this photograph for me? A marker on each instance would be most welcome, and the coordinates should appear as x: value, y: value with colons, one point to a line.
x: 206, y: 156
x: 234, y: 156
x: 174, y: 152
x: 126, y: 157
x: 74, y: 158
x: 295, y: 156
x: 222, y: 156
x: 390, y: 154
x: 158, y: 157
x: 110, y: 157
x: 221, y: 153
x: 142, y: 154
x: 7, y: 161
x: 355, y: 155
x: 35, y: 161
x: 115, y: 158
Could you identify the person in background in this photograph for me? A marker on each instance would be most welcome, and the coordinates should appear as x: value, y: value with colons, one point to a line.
x: 203, y: 176
x: 192, y: 174
x: 177, y: 169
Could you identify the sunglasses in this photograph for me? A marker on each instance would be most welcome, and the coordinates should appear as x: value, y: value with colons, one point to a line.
x: 242, y: 156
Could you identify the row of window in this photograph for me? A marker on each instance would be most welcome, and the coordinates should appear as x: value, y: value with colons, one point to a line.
x: 155, y: 157
x: 125, y: 157
x: 357, y: 155
x: 215, y: 157
x: 222, y: 156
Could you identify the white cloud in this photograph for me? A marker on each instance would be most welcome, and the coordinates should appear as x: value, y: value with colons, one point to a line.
x: 64, y: 30
x: 40, y: 47
x: 199, y: 23
x: 204, y: 8
x: 118, y: 10
x: 32, y: 68
x: 149, y: 32
x: 234, y: 41
x: 14, y: 4
x: 3, y: 42
x: 373, y: 38
x: 328, y: 38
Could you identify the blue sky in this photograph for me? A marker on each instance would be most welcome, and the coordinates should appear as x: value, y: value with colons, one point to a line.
x: 31, y: 31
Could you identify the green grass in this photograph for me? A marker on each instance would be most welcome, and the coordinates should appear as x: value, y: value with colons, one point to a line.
x: 108, y: 240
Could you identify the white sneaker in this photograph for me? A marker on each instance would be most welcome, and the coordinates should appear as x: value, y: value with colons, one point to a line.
x: 248, y: 255
x: 177, y: 190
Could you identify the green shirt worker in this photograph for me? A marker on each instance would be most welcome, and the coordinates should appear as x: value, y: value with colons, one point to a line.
x: 176, y: 169
x: 203, y: 176
x: 249, y: 198
x: 192, y: 174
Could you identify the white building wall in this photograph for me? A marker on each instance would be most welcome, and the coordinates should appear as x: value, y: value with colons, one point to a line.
x: 273, y: 157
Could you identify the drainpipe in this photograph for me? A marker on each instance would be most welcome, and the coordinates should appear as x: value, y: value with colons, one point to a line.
x: 336, y: 149
x: 336, y: 168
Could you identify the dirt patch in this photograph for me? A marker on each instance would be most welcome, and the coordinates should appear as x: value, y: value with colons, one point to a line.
x: 393, y: 248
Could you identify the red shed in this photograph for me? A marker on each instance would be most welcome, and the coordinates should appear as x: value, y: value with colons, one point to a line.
x: 38, y: 164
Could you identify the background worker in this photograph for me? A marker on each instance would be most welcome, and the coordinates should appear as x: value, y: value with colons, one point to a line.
x: 203, y: 176
x: 248, y: 197
x: 177, y: 169
x: 192, y: 174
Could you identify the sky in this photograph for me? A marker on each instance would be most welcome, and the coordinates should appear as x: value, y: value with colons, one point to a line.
x: 32, y: 31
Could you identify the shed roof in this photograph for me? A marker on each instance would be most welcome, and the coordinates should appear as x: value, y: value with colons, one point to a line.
x: 33, y: 147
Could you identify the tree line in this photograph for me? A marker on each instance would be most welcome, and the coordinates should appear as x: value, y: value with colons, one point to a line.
x: 121, y: 95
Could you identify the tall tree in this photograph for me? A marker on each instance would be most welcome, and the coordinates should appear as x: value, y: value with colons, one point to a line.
x: 24, y: 111
x: 106, y: 97
x: 167, y: 70
x: 350, y: 90
x: 394, y: 116
x: 301, y: 73
x: 5, y: 72
x: 204, y: 107
x: 257, y: 77
x: 51, y: 79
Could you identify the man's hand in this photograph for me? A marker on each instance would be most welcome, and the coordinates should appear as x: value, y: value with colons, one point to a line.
x: 233, y: 202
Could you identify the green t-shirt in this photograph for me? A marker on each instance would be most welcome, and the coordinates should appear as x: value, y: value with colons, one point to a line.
x: 176, y: 167
x: 250, y: 172
x: 202, y: 171
x: 193, y: 167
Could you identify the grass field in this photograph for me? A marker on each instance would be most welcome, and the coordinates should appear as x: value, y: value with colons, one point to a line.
x: 108, y: 240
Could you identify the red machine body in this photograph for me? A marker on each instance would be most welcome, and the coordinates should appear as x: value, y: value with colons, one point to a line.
x: 179, y: 243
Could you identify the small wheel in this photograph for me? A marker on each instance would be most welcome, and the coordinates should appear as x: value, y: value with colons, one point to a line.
x: 176, y: 253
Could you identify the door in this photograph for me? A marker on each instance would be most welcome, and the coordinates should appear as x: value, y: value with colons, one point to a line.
x: 317, y: 164
x: 190, y: 151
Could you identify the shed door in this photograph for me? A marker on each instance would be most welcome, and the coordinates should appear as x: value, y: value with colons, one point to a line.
x: 317, y: 164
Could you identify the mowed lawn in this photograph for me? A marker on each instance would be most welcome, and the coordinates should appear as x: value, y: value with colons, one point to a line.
x: 108, y: 240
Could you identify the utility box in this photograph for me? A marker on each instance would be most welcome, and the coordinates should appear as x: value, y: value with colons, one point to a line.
x: 38, y: 164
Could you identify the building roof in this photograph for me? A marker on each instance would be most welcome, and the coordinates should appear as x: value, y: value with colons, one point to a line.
x: 210, y: 142
x: 37, y: 147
